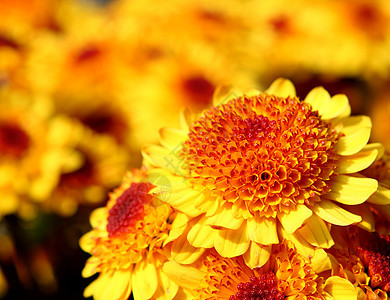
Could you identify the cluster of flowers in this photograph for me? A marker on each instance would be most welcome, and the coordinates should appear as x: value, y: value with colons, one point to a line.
x: 261, y: 196
x: 77, y: 103
x: 81, y: 99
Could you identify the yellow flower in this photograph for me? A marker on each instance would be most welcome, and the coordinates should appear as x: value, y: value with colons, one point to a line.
x: 32, y: 155
x: 102, y: 163
x: 126, y: 244
x: 287, y: 275
x: 265, y: 165
x: 363, y: 258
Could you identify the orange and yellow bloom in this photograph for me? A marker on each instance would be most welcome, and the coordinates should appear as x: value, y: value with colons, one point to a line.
x: 287, y: 275
x: 257, y: 167
x: 126, y: 244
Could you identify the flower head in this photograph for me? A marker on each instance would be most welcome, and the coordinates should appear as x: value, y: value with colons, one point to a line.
x: 126, y: 244
x: 287, y: 274
x: 262, y: 165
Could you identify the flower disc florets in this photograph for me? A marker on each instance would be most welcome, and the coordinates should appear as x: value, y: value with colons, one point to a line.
x: 264, y: 152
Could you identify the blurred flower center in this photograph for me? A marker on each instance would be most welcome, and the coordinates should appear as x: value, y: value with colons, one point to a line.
x: 81, y: 177
x: 264, y: 287
x: 199, y: 91
x: 272, y: 153
x: 7, y: 42
x: 106, y: 124
x: 87, y: 54
x: 128, y: 209
x: 14, y: 141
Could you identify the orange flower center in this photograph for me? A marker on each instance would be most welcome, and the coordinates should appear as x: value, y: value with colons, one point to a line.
x: 263, y: 287
x: 128, y: 209
x: 287, y: 274
x: 106, y: 122
x: 82, y: 177
x: 271, y: 152
x: 14, y: 141
x: 375, y: 254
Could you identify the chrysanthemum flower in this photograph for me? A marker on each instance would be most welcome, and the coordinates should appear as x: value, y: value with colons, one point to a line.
x: 364, y: 259
x: 287, y: 275
x: 256, y: 167
x: 126, y: 244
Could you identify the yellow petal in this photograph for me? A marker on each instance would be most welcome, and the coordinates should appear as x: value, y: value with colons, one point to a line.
x: 184, y: 202
x: 357, y: 132
x: 185, y: 119
x: 97, y: 287
x: 334, y: 214
x: 167, y: 288
x: 378, y: 146
x: 90, y: 267
x: 340, y: 288
x: 381, y: 196
x: 257, y: 255
x: 157, y: 156
x: 201, y: 235
x: 185, y: 276
x: 230, y: 243
x: 351, y: 190
x: 205, y: 204
x: 179, y: 224
x: 295, y: 218
x: 321, y: 261
x: 175, y: 191
x: 172, y: 138
x: 262, y: 230
x: 302, y: 246
x: 316, y: 233
x: 98, y: 218
x: 224, y: 93
x: 144, y: 280
x: 115, y: 286
x: 281, y: 87
x: 318, y: 98
x: 183, y: 252
x: 368, y: 220
x: 358, y: 161
x: 224, y: 217
x: 337, y: 107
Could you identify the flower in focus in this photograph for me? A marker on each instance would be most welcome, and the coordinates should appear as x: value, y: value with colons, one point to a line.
x: 287, y: 275
x: 126, y: 244
x: 266, y: 163
x: 364, y: 259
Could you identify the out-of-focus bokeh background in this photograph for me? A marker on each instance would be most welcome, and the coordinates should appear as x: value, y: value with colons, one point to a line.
x: 85, y: 84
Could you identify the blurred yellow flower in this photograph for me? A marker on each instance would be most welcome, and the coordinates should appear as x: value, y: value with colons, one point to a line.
x: 265, y: 165
x: 287, y: 275
x: 31, y: 155
x: 126, y: 244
